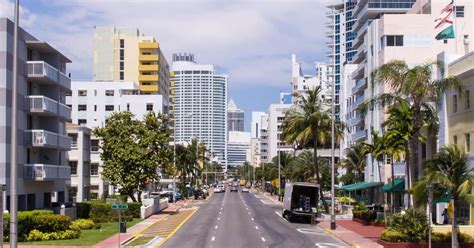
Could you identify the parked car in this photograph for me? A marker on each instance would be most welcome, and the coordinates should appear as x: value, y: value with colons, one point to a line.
x: 169, y: 195
x: 199, y: 194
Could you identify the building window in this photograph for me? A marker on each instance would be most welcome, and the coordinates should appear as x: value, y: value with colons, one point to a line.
x: 122, y: 75
x: 94, y: 145
x: 122, y: 65
x: 394, y: 40
x: 128, y: 106
x: 455, y: 103
x: 82, y: 121
x: 459, y: 10
x: 95, y: 92
x: 73, y: 137
x: 109, y: 107
x: 149, y: 107
x: 468, y: 99
x: 468, y: 142
x: 95, y: 108
x: 109, y: 92
x: 82, y: 92
x: 73, y: 165
x: 455, y: 140
x: 94, y: 169
x: 122, y: 54
x: 122, y: 43
x: 82, y: 107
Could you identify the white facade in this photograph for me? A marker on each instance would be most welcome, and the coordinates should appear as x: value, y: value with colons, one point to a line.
x: 256, y: 124
x: 92, y: 102
x: 271, y: 131
x: 79, y: 158
x: 41, y: 115
x: 199, y: 104
x: 237, y: 147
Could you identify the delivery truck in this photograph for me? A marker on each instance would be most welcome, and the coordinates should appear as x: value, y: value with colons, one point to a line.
x: 300, y: 201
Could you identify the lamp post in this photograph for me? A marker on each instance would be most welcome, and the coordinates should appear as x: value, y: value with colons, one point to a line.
x: 430, y: 200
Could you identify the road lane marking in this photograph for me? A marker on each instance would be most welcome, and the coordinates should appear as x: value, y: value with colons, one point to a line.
x: 215, y: 227
x: 328, y: 245
x: 249, y: 212
x: 263, y: 239
x: 256, y: 227
x: 253, y: 219
x: 310, y: 231
x: 219, y: 218
x: 213, y: 238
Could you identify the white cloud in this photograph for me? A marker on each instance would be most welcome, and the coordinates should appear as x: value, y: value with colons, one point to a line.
x: 251, y: 40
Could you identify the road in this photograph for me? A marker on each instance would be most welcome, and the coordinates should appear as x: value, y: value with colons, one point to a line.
x: 234, y: 219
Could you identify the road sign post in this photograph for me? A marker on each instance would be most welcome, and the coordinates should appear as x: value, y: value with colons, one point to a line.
x: 119, y: 208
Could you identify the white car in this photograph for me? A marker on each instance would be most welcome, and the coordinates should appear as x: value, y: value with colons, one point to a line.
x: 245, y: 190
x: 219, y: 189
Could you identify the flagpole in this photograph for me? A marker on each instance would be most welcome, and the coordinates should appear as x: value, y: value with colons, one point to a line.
x: 455, y: 27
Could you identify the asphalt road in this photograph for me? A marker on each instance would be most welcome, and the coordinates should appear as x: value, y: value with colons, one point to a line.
x: 235, y: 219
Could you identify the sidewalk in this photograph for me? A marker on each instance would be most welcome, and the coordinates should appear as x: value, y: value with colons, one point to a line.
x: 354, y: 233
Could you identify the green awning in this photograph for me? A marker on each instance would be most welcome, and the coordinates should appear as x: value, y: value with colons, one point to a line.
x: 444, y: 198
x: 399, y: 186
x: 360, y: 185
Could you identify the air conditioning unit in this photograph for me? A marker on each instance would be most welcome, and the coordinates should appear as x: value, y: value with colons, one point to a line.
x: 38, y: 139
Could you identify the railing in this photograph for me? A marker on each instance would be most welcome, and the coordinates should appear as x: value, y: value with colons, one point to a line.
x: 64, y: 111
x: 43, y: 69
x: 41, y: 104
x: 43, y: 138
x: 360, y: 83
x: 357, y: 102
x: 390, y: 5
x: 42, y: 172
x: 359, y: 135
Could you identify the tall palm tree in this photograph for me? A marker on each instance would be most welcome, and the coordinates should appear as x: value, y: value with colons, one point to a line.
x: 449, y: 169
x: 417, y: 86
x: 355, y: 160
x: 309, y: 123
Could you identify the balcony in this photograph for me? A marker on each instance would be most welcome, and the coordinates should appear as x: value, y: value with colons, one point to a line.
x: 355, y: 120
x: 357, y: 102
x: 330, y: 33
x: 44, y: 73
x: 46, y: 172
x: 359, y: 72
x: 47, y: 139
x: 148, y: 45
x: 360, y: 85
x: 148, y: 67
x: 148, y: 78
x: 148, y: 88
x: 359, y: 135
x: 46, y: 106
x: 150, y: 57
x: 372, y: 8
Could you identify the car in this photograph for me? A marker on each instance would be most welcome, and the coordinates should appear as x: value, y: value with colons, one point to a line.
x: 245, y: 190
x: 199, y: 194
x: 169, y: 195
x: 234, y: 188
x: 218, y: 190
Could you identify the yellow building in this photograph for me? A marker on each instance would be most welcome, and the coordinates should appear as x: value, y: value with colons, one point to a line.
x: 123, y: 54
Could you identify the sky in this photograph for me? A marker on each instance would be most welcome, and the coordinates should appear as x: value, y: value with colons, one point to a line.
x: 249, y: 40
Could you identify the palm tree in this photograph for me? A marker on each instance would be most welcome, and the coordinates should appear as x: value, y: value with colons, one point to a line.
x: 355, y: 160
x: 449, y: 169
x: 417, y: 86
x: 309, y: 123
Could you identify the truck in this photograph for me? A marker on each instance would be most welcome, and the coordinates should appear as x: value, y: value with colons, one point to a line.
x: 300, y: 201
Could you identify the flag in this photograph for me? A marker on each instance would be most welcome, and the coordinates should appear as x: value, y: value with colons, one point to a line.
x: 445, y: 23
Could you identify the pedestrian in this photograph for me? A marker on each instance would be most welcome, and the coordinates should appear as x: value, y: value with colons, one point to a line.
x: 445, y: 216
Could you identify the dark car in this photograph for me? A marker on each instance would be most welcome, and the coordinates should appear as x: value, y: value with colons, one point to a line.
x: 199, y: 194
x: 169, y: 195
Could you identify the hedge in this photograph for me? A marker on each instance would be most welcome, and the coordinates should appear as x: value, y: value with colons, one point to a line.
x: 101, y: 212
x: 365, y: 215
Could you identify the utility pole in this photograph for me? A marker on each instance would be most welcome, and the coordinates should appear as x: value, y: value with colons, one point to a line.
x: 174, y: 160
x: 14, y: 137
x: 333, y: 179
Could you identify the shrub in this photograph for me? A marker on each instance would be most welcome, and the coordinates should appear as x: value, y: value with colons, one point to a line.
x: 83, y: 210
x: 446, y: 237
x: 347, y: 200
x: 51, y: 223
x: 36, y: 235
x: 25, y: 223
x: 102, y: 212
x: 133, y: 209
x: 392, y: 236
x: 83, y: 224
x: 412, y: 225
x: 365, y: 215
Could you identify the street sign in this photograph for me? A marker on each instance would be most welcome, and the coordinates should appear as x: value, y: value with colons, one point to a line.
x: 120, y: 206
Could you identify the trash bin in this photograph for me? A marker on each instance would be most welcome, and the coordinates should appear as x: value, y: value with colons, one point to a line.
x: 123, y: 227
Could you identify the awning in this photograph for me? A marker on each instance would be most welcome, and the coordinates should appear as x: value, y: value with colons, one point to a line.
x: 360, y: 185
x: 399, y: 186
x: 444, y: 198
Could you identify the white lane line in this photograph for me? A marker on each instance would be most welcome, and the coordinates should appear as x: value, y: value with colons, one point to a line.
x: 256, y: 227
x: 215, y: 227
x: 253, y: 219
x: 220, y: 212
x: 219, y: 218
x: 249, y: 212
x: 213, y: 238
x: 263, y: 239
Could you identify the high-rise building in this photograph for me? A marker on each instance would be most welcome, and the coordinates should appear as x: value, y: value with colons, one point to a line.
x: 256, y: 124
x: 271, y: 132
x: 91, y: 103
x: 124, y: 54
x: 341, y: 51
x: 300, y: 83
x: 235, y: 117
x: 199, y: 104
x: 42, y: 141
x: 238, y: 145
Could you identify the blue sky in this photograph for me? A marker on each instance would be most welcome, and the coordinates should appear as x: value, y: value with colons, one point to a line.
x: 251, y: 41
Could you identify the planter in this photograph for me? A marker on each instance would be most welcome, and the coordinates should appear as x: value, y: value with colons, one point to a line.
x: 363, y: 222
x: 386, y: 244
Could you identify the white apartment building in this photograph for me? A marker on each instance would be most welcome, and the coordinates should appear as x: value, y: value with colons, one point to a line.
x: 256, y: 124
x: 254, y: 152
x: 42, y: 141
x: 92, y: 102
x: 271, y: 132
x: 79, y: 157
x: 199, y: 104
x: 238, y: 145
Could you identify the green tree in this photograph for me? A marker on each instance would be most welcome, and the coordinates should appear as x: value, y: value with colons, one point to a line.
x: 417, y: 86
x: 355, y: 161
x: 133, y: 151
x: 309, y: 123
x: 449, y: 169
